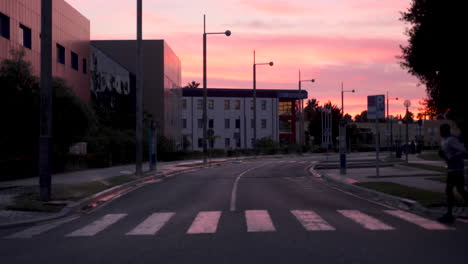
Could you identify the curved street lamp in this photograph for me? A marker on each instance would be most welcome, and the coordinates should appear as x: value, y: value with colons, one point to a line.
x: 205, y: 92
x: 255, y: 96
x: 301, y: 109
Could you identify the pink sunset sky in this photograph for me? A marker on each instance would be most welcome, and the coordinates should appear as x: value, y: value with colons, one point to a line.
x: 351, y: 41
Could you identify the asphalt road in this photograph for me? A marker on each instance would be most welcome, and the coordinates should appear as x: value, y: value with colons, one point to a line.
x: 276, y: 213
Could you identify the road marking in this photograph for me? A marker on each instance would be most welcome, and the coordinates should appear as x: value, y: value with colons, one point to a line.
x: 39, y: 229
x: 311, y: 221
x: 152, y: 224
x: 205, y: 223
x: 259, y: 221
x: 234, y: 187
x: 418, y: 220
x: 97, y: 226
x: 367, y: 221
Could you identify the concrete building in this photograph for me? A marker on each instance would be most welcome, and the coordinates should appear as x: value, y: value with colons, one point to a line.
x: 161, y: 79
x: 20, y: 26
x: 230, y: 116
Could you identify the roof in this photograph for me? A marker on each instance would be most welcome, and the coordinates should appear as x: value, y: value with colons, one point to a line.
x: 261, y: 93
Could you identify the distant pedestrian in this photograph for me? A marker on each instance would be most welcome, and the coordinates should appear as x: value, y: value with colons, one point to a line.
x: 452, y: 151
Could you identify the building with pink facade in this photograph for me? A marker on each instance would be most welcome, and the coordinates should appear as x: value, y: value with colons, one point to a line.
x: 20, y: 26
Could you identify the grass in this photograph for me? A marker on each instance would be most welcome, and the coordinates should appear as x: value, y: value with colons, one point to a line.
x: 30, y: 201
x: 424, y: 197
x: 432, y: 156
x: 425, y: 167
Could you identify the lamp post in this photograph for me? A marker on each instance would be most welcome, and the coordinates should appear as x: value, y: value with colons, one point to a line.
x: 205, y: 92
x: 342, y: 98
x: 301, y: 109
x: 255, y: 96
x: 407, y: 104
x: 390, y: 120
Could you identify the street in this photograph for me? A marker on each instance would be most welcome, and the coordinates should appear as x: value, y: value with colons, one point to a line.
x: 260, y: 211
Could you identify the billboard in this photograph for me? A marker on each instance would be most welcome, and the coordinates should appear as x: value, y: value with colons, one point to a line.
x: 376, y: 106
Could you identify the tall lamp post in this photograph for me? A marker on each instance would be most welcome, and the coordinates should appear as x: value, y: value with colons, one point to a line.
x: 255, y: 96
x: 390, y: 120
x: 205, y: 92
x: 407, y: 104
x: 342, y: 97
x: 301, y: 109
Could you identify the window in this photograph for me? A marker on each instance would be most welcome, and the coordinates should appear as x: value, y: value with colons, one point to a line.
x: 238, y: 142
x: 4, y: 26
x: 200, y: 142
x: 184, y: 103
x: 285, y: 126
x: 285, y: 108
x: 251, y: 104
x: 210, y: 123
x: 264, y: 103
x: 227, y: 104
x: 210, y: 104
x: 211, y: 142
x: 199, y: 104
x: 237, y: 104
x: 26, y: 36
x: 200, y: 123
x: 184, y: 123
x: 60, y: 54
x: 252, y: 123
x: 74, y: 60
x: 237, y: 123
x: 227, y: 142
x: 264, y: 123
x: 227, y: 123
x: 85, y: 66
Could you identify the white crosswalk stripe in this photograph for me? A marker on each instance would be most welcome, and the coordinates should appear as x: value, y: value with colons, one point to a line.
x: 152, y: 224
x: 205, y: 223
x: 418, y: 220
x: 311, y: 221
x: 39, y: 229
x: 259, y: 221
x: 366, y: 221
x: 97, y: 226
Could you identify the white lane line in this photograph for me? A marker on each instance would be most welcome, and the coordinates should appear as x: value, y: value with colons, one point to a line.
x: 311, y: 221
x: 39, y: 229
x: 152, y: 224
x: 97, y: 226
x: 418, y: 220
x: 205, y: 223
x: 366, y: 221
x: 259, y: 221
x: 234, y: 187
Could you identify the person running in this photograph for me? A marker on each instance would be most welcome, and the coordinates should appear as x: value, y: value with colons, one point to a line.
x: 453, y: 152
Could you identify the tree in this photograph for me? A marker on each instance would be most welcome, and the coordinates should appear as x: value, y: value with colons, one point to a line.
x: 435, y: 42
x: 361, y: 118
x: 192, y: 84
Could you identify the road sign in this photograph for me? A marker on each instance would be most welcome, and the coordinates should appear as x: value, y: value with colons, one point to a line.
x: 376, y: 106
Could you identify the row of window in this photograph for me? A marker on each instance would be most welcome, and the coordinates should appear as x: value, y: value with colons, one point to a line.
x: 227, y: 123
x: 236, y: 104
x: 227, y: 142
x: 26, y: 41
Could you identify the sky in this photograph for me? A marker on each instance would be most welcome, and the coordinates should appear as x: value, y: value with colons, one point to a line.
x: 354, y: 42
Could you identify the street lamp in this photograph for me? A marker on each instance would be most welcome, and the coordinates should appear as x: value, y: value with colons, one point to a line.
x: 205, y: 108
x: 255, y: 95
x: 390, y: 120
x: 407, y: 104
x: 342, y: 98
x: 301, y: 109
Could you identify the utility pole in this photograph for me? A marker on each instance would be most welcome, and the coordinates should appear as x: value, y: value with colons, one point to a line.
x: 255, y: 101
x: 139, y: 93
x: 205, y: 94
x: 45, y: 133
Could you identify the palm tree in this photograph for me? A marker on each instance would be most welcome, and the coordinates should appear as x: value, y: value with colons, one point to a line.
x: 192, y: 84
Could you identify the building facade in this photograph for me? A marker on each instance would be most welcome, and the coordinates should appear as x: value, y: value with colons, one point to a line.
x: 161, y: 80
x: 231, y: 117
x: 20, y: 26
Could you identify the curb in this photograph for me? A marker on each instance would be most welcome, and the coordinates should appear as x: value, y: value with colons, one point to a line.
x: 113, y: 191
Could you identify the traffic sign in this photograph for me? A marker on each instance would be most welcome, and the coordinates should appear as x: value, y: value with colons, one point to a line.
x: 376, y: 106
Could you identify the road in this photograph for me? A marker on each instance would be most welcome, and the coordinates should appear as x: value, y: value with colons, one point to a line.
x: 263, y: 211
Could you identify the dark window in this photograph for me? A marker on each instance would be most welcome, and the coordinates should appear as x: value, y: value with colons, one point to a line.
x: 85, y: 66
x: 200, y: 123
x: 227, y: 142
x: 26, y: 36
x: 200, y: 104
x: 285, y: 126
x: 264, y: 123
x: 74, y: 60
x: 200, y: 142
x: 227, y: 123
x: 211, y: 142
x: 60, y: 54
x: 210, y: 104
x: 184, y: 123
x: 184, y: 103
x: 4, y: 26
x: 237, y: 123
x: 210, y: 123
x: 264, y: 104
x: 252, y: 123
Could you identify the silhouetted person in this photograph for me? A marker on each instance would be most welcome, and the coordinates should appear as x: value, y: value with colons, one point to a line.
x: 452, y: 151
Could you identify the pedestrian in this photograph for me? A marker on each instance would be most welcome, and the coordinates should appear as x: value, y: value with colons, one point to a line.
x: 453, y: 152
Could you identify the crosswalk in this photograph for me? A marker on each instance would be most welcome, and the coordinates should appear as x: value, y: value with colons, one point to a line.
x: 208, y: 222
